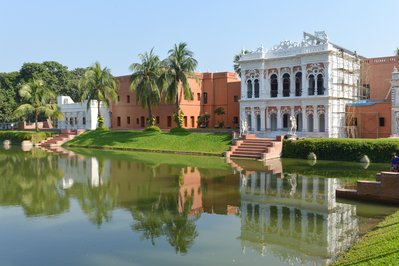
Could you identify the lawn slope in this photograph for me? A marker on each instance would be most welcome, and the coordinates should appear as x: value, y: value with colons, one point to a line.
x: 378, y: 247
x: 195, y: 143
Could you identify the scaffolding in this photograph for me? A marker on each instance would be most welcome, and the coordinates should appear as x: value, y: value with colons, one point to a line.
x: 346, y: 75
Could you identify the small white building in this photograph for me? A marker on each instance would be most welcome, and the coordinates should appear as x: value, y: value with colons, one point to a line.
x: 78, y: 116
x: 311, y: 80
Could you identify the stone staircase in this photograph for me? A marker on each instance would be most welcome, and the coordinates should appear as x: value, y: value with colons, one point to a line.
x: 58, y: 140
x: 256, y: 148
x: 383, y: 189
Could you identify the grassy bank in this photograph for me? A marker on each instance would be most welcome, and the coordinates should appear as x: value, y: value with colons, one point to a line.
x: 378, y: 247
x: 378, y: 150
x: 196, y: 143
x: 19, y: 136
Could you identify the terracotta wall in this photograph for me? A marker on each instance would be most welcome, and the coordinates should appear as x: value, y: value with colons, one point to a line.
x: 220, y: 89
x: 377, y: 73
x: 371, y: 121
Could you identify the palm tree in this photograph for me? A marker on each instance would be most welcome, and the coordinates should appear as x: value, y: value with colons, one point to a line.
x: 39, y: 100
x: 98, y: 84
x: 237, y: 57
x: 147, y: 81
x: 181, y: 66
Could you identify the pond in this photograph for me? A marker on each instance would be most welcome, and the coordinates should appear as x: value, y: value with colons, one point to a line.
x: 93, y: 207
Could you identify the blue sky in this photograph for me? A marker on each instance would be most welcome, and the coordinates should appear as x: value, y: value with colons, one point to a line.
x: 78, y: 33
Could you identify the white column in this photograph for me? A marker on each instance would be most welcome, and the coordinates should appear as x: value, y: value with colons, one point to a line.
x: 292, y: 83
x: 268, y: 124
x: 326, y: 120
x: 280, y: 86
x: 326, y: 78
x: 315, y: 119
x: 262, y: 118
x: 267, y: 86
x: 304, y: 81
x: 279, y: 120
x: 315, y: 85
x: 304, y: 119
x: 253, y: 119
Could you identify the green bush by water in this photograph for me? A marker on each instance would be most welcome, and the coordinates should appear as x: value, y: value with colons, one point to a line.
x: 19, y: 136
x: 378, y: 150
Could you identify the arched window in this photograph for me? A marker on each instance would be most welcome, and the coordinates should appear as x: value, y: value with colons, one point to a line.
x: 273, y: 122
x: 273, y: 85
x: 299, y: 122
x: 258, y: 122
x: 298, y: 84
x: 311, y: 85
x: 256, y: 88
x: 249, y: 122
x: 286, y: 120
x: 320, y: 84
x: 310, y: 123
x: 249, y: 89
x: 322, y: 123
x: 286, y: 85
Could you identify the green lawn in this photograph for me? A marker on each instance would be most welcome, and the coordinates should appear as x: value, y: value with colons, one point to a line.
x: 197, y: 143
x: 378, y: 247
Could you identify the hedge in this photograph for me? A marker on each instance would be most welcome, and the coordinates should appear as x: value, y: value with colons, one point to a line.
x: 19, y: 136
x: 378, y: 150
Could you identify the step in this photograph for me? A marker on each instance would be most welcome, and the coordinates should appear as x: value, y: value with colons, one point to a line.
x: 253, y: 150
x: 255, y: 146
x: 246, y: 156
x: 247, y: 153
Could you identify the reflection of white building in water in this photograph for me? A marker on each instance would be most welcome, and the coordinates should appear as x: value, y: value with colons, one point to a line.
x: 78, y: 116
x: 85, y: 170
x: 311, y: 80
x: 295, y: 218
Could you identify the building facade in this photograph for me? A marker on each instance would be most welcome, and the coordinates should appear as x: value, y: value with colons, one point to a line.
x: 375, y: 115
x: 214, y: 90
x: 79, y: 116
x: 312, y: 81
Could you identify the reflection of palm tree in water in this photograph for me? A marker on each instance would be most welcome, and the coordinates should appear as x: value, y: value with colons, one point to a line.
x: 165, y: 216
x: 30, y: 180
x: 97, y: 199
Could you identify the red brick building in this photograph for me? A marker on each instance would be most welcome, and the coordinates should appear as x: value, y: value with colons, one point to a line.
x: 214, y: 90
x: 371, y: 118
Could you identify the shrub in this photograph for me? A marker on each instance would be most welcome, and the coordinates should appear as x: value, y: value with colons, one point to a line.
x: 150, y: 121
x: 19, y: 136
x: 100, y: 121
x: 378, y: 150
x: 181, y: 130
x: 179, y: 119
x: 152, y: 129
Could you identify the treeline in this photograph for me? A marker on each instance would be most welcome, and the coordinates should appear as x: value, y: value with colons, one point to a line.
x: 55, y: 76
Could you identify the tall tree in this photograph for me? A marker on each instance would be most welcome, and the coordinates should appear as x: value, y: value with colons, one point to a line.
x: 181, y: 65
x: 53, y: 74
x: 39, y: 100
x: 237, y: 58
x: 73, y: 90
x: 98, y: 84
x: 9, y: 97
x: 147, y: 80
x: 397, y: 51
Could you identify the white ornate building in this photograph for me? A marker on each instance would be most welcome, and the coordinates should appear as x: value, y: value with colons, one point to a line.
x: 311, y: 80
x: 78, y: 116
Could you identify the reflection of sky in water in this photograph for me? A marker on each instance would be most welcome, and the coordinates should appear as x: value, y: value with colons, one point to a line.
x: 241, y: 216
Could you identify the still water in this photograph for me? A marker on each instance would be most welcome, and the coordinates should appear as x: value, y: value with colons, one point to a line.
x: 91, y: 207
